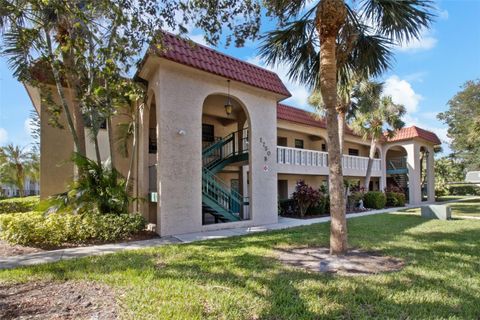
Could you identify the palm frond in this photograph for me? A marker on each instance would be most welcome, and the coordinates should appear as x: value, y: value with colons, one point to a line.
x: 401, y: 20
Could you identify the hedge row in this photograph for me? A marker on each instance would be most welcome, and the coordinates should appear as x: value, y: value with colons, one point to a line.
x: 19, y: 204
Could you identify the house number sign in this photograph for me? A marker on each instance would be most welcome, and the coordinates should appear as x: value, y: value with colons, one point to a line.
x: 266, y: 155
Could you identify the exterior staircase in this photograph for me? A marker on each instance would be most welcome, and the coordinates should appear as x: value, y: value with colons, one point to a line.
x: 218, y: 199
x: 398, y: 171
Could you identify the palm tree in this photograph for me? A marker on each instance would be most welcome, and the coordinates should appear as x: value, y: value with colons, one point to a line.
x: 16, y: 164
x: 322, y: 43
x: 374, y: 114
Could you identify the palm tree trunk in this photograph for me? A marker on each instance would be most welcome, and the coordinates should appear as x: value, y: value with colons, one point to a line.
x: 328, y: 78
x: 331, y: 16
x: 341, y: 129
x: 371, y: 156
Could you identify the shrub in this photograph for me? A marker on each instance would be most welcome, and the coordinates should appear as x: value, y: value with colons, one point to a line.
x: 319, y: 208
x: 287, y: 207
x: 464, y: 190
x: 305, y: 196
x: 374, y: 200
x: 99, y: 188
x: 395, y: 199
x: 60, y: 228
x: 19, y: 204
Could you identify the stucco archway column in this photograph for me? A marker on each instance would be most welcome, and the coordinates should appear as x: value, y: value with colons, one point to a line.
x: 413, y: 164
x: 242, y: 186
x: 263, y: 169
x: 431, y: 175
x: 179, y: 153
x: 383, y: 169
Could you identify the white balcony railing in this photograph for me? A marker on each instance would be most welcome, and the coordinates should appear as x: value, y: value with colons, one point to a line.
x: 304, y: 157
x: 359, y: 163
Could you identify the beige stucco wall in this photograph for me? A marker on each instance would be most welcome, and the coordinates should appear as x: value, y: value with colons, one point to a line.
x: 180, y: 93
x: 56, y: 148
x: 313, y: 181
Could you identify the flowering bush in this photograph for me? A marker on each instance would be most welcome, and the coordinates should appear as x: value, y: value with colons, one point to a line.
x: 305, y: 196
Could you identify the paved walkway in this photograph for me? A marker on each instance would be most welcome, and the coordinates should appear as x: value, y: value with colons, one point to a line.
x: 71, y: 253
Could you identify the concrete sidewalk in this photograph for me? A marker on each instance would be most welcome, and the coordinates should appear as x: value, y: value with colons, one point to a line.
x: 71, y: 253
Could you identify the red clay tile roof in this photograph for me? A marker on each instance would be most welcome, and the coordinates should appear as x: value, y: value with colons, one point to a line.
x: 415, y: 132
x: 206, y: 59
x: 293, y: 114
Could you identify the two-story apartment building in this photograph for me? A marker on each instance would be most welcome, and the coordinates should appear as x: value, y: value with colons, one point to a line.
x: 217, y: 149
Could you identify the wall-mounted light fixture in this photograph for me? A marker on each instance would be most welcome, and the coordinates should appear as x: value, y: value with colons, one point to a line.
x: 228, y: 104
x: 181, y: 132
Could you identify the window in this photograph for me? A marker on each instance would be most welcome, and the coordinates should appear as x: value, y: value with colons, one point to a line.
x: 208, y: 132
x: 353, y: 152
x: 281, y: 141
x: 299, y: 143
x: 324, y: 147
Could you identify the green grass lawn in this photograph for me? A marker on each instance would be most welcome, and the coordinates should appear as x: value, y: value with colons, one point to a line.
x: 450, y: 198
x: 466, y: 208
x: 239, y: 278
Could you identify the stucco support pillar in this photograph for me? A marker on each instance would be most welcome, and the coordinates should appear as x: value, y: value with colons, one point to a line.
x: 413, y: 164
x: 179, y: 151
x: 263, y: 170
x: 383, y: 170
x: 431, y: 175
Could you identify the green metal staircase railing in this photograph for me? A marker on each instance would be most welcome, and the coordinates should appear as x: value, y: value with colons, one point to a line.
x: 218, y: 198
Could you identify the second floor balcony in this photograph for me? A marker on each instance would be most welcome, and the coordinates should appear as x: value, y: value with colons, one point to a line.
x: 304, y: 161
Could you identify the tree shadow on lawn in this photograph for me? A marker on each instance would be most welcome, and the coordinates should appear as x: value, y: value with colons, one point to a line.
x: 262, y: 287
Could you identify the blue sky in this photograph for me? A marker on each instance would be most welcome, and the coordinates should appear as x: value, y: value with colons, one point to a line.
x: 425, y: 75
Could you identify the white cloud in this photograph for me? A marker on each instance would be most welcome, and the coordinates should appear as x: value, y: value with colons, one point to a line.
x: 402, y: 92
x: 299, y: 92
x: 443, y: 15
x: 426, y: 42
x: 3, y: 136
x: 198, y: 38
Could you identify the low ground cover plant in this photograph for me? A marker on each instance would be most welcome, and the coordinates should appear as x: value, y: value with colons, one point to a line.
x: 24, y: 204
x: 61, y: 228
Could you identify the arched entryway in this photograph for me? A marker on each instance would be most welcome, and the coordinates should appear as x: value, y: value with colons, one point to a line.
x: 397, y: 170
x: 425, y: 172
x: 151, y: 148
x: 225, y: 160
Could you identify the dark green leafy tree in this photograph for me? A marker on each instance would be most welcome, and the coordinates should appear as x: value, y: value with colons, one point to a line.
x: 448, y: 169
x: 321, y: 44
x: 463, y: 120
x: 90, y: 46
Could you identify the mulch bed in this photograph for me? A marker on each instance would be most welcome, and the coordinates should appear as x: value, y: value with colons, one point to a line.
x: 7, y: 250
x: 355, y: 262
x: 57, y: 300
